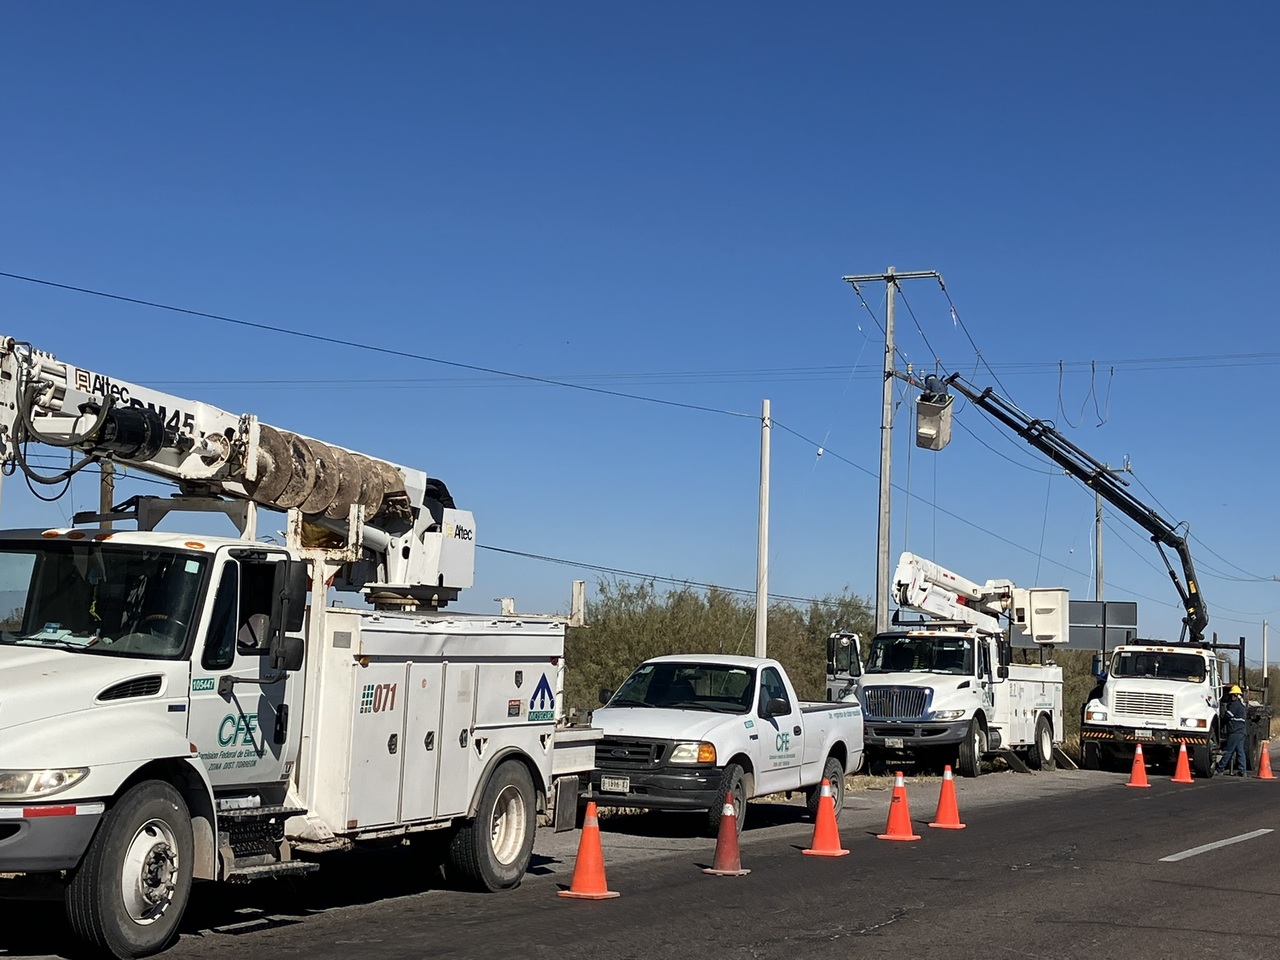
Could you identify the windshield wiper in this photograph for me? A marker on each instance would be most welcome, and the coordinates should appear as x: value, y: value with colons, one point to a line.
x: 629, y: 703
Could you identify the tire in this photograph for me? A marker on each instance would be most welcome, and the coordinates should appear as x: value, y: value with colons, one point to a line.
x: 834, y: 772
x: 128, y: 895
x: 1203, y: 762
x: 1041, y: 752
x: 732, y: 780
x: 972, y: 747
x: 1090, y: 756
x: 492, y: 851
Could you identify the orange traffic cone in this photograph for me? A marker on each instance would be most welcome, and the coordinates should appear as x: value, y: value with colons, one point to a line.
x: 588, y: 870
x: 1264, y: 764
x: 826, y: 835
x: 1182, y: 772
x: 727, y: 862
x: 899, y: 825
x: 948, y: 815
x: 1138, y: 775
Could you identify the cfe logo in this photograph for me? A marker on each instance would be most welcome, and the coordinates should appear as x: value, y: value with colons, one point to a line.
x: 784, y: 742
x: 545, y: 699
x: 238, y: 729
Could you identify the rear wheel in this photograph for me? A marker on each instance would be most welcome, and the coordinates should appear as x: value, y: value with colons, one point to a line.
x: 1041, y: 752
x: 833, y: 772
x: 972, y: 747
x: 492, y: 851
x: 130, y: 891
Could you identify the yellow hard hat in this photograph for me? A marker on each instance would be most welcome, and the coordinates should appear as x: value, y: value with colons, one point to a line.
x: 1235, y: 688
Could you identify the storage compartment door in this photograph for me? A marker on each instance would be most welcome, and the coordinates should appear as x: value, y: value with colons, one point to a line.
x: 377, y: 734
x: 422, y: 741
x: 456, y: 781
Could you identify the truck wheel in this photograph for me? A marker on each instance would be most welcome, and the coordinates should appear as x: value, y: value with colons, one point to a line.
x: 1089, y: 756
x: 972, y: 747
x: 733, y: 780
x: 1203, y: 760
x: 492, y: 851
x: 130, y: 890
x: 1041, y: 752
x: 834, y: 772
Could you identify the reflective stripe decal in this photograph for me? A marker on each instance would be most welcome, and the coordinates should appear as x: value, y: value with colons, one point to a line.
x: 51, y: 810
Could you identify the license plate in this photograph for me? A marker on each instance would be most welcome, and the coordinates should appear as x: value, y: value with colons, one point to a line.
x: 894, y: 743
x: 615, y: 784
x: 1142, y: 734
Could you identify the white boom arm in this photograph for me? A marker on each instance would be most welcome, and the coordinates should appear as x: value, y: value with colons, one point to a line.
x: 922, y: 585
x: 423, y: 549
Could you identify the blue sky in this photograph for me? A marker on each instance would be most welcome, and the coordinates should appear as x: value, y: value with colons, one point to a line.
x: 661, y: 200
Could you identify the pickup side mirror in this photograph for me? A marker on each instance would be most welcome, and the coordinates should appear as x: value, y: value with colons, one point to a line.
x: 605, y: 695
x: 777, y: 707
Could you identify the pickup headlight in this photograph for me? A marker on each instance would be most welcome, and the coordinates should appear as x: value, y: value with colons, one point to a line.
x: 693, y: 753
x: 1096, y: 713
x: 33, y: 784
x: 948, y: 714
x: 1196, y: 723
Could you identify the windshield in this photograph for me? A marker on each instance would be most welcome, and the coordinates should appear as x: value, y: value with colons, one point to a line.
x: 99, y: 598
x: 689, y: 686
x: 921, y: 655
x: 1153, y: 663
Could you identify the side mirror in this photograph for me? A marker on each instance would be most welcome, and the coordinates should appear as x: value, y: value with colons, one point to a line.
x: 605, y: 695
x: 1003, y: 672
x: 776, y: 707
x: 286, y: 653
x: 289, y: 595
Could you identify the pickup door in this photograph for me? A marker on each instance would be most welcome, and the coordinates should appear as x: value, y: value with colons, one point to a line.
x: 779, y: 744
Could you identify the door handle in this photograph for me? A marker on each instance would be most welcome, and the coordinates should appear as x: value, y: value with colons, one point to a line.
x: 796, y: 731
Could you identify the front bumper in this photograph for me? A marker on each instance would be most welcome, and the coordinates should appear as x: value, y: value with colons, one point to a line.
x: 1147, y: 736
x: 39, y: 837
x: 666, y: 788
x: 914, y: 734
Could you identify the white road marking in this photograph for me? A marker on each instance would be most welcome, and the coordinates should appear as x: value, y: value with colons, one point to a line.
x: 1194, y: 851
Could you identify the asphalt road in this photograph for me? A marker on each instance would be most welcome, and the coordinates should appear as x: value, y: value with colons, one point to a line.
x: 1061, y: 865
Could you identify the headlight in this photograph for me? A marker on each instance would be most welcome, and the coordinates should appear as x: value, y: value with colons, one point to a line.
x: 1198, y: 723
x: 948, y: 714
x: 693, y: 753
x: 1096, y: 714
x: 32, y: 784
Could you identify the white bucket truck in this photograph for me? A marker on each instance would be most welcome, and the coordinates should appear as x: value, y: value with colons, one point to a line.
x: 945, y: 689
x: 178, y: 707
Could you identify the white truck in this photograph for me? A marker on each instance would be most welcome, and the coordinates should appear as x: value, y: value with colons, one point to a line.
x: 178, y: 707
x: 1163, y: 695
x: 945, y: 689
x: 684, y: 731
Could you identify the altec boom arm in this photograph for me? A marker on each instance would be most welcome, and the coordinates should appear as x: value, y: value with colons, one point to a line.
x: 421, y: 548
x: 1092, y: 473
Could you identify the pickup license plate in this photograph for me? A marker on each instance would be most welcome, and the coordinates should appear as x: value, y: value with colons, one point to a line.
x: 615, y: 784
x: 1142, y: 734
x: 893, y: 743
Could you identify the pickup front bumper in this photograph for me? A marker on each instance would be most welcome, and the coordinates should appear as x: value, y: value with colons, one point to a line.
x: 914, y: 734
x: 41, y: 837
x: 667, y: 788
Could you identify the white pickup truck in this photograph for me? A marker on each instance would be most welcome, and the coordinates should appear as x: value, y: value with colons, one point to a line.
x: 683, y: 731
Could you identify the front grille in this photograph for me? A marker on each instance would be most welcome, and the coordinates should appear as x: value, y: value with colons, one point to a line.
x: 129, y: 689
x: 615, y: 753
x: 1144, y: 704
x: 895, y: 703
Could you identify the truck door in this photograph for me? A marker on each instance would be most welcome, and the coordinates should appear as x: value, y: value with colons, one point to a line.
x: 245, y: 736
x: 781, y: 742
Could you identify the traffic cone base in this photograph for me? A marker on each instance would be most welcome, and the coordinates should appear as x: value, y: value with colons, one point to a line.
x: 948, y: 814
x: 588, y: 869
x: 1138, y: 775
x: 727, y: 861
x: 826, y: 833
x: 899, y: 825
x: 1264, y: 764
x: 1182, y: 772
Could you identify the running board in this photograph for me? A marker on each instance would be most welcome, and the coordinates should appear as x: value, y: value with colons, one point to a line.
x: 243, y: 874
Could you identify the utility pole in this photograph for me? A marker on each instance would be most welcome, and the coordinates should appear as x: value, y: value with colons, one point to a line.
x: 1097, y: 536
x: 762, y: 542
x: 890, y: 277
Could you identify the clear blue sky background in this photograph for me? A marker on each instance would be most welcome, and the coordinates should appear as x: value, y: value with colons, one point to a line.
x: 661, y: 200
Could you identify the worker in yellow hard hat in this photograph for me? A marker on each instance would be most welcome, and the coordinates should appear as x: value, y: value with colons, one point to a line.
x: 1237, y: 722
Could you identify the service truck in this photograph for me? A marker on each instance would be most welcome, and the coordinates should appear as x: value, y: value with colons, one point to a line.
x: 178, y: 707
x: 946, y: 690
x: 683, y: 732
x: 1164, y: 695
